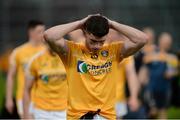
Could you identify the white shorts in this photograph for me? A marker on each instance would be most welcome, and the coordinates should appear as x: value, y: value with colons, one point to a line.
x: 98, y: 117
x: 49, y: 115
x: 19, y: 105
x: 121, y: 109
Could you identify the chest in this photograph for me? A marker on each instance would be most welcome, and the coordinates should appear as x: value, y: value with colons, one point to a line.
x: 93, y: 64
x: 51, y: 70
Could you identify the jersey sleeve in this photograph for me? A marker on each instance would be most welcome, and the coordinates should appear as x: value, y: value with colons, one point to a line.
x: 129, y: 60
x: 31, y: 69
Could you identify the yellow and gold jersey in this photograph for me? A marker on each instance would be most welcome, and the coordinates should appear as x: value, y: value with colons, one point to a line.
x: 19, y: 58
x: 172, y: 61
x: 91, y: 80
x: 121, y: 77
x: 50, y: 84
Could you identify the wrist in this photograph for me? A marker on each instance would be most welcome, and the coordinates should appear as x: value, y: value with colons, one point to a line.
x: 80, y: 24
x: 111, y: 24
x: 133, y: 97
x: 9, y: 98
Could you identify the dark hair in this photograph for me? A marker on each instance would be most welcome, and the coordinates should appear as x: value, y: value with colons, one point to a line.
x: 34, y: 23
x: 97, y: 25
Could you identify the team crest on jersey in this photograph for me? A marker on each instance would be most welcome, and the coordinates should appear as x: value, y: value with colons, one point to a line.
x: 104, y: 53
x: 82, y: 67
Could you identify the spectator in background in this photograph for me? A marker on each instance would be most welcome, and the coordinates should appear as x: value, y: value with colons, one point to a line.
x: 161, y: 67
x: 142, y: 73
x: 18, y: 62
x: 126, y: 106
x: 148, y: 48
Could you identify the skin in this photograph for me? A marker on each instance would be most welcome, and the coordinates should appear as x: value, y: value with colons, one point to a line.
x: 27, y: 91
x: 27, y: 97
x: 35, y: 38
x: 150, y: 46
x: 54, y: 37
x: 133, y: 41
x: 133, y: 85
x: 147, y: 49
x: 132, y: 79
x: 164, y: 43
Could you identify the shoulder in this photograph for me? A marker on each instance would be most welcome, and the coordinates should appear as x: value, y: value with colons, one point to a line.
x: 172, y: 58
x: 20, y: 48
x: 113, y: 45
x: 36, y: 57
x: 74, y: 45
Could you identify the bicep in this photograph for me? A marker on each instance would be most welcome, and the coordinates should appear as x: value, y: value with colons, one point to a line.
x: 129, y: 48
x: 12, y: 66
x: 12, y: 71
x: 59, y: 46
x: 28, y: 84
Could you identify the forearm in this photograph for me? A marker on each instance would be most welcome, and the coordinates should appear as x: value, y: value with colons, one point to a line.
x: 9, y: 87
x: 57, y: 32
x: 26, y: 103
x: 133, y: 87
x: 133, y: 34
x: 132, y: 80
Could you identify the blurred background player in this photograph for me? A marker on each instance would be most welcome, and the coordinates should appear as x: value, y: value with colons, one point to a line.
x: 161, y: 67
x: 141, y: 70
x: 46, y: 72
x: 18, y: 62
x: 126, y: 72
x: 148, y: 48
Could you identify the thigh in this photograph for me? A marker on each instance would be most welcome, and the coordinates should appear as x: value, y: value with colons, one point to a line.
x: 99, y: 117
x: 121, y: 109
x: 59, y: 115
x: 19, y: 105
x: 41, y: 114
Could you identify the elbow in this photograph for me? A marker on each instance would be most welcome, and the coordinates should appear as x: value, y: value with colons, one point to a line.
x: 145, y: 39
x: 47, y: 36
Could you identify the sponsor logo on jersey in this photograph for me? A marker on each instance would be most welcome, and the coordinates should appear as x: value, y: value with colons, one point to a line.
x: 45, y: 78
x: 83, y: 67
